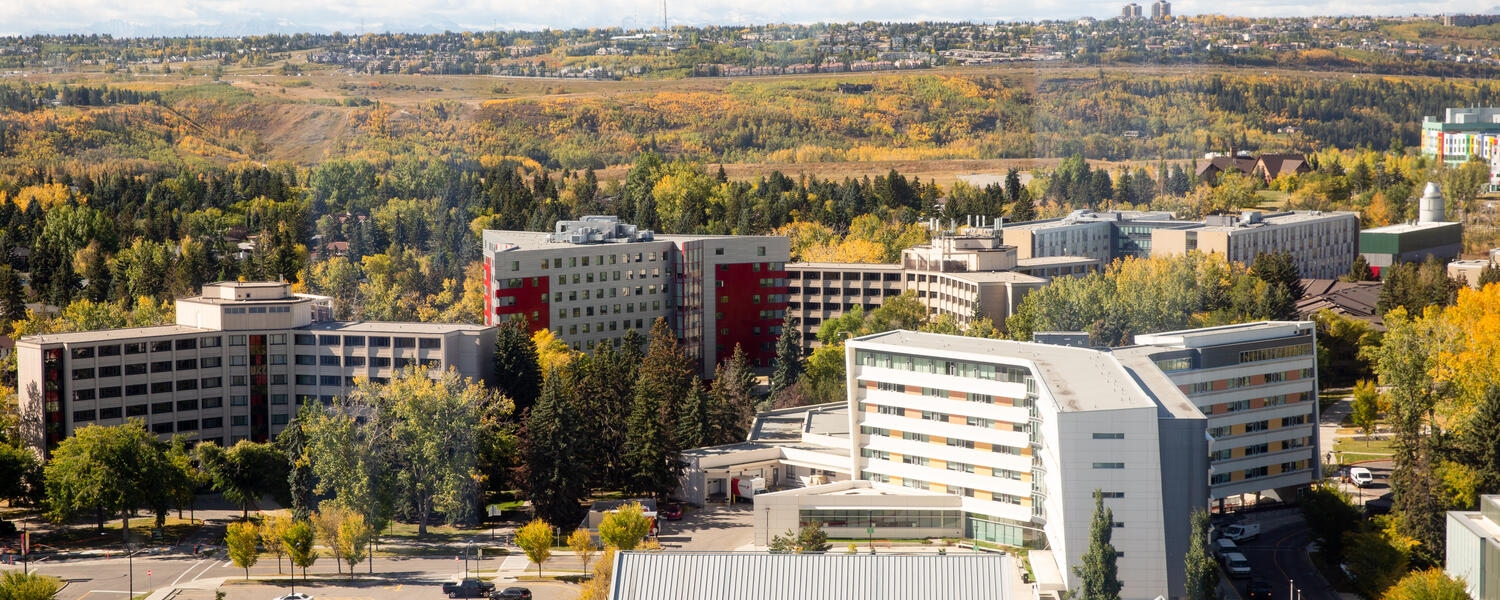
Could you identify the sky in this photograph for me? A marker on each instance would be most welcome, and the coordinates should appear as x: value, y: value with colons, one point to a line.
x: 238, y: 17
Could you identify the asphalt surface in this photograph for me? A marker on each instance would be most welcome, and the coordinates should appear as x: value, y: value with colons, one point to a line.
x: 1280, y: 557
x: 108, y: 579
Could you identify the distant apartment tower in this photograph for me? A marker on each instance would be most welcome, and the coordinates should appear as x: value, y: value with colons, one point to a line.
x: 1161, y: 9
x: 236, y: 365
x: 594, y: 279
x: 964, y: 276
x: 1322, y: 244
x: 1130, y: 11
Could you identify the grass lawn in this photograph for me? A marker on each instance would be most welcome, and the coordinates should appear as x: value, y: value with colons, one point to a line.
x: 81, y: 536
x: 1356, y: 450
x: 436, y: 534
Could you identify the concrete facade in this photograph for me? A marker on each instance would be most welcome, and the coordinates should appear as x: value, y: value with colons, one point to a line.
x: 595, y: 279
x: 1473, y: 548
x: 240, y: 360
x: 1322, y: 244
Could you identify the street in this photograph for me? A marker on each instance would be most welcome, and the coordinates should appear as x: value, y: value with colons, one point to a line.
x: 1280, y: 557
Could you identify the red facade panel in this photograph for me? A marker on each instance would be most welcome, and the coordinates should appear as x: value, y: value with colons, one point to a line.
x: 742, y: 316
x: 528, y: 299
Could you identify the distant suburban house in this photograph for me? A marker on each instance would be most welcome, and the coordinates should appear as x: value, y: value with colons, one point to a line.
x: 1265, y: 166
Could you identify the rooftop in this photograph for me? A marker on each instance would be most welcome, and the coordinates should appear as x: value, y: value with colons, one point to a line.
x: 1408, y: 227
x: 992, y: 276
x: 1287, y: 218
x: 831, y: 266
x: 1225, y: 334
x: 505, y: 240
x: 391, y: 327
x: 826, y: 576
x: 1079, y: 379
x: 112, y: 335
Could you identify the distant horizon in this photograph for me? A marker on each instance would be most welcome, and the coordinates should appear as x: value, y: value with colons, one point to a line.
x: 228, y: 18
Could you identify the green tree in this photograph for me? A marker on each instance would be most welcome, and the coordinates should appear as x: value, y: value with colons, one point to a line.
x: 1365, y: 408
x: 518, y: 375
x: 292, y: 442
x: 104, y: 470
x: 788, y: 362
x: 16, y: 466
x: 651, y: 450
x: 242, y: 539
x: 15, y: 585
x: 1099, y: 577
x: 1405, y: 360
x: 625, y: 527
x: 245, y: 471
x: 694, y: 425
x: 1359, y: 270
x: 733, y: 400
x: 1330, y: 515
x: 428, y: 429
x: 552, y: 450
x: 1479, y: 444
x: 1375, y: 561
x: 350, y: 461
x: 1461, y: 186
x: 1202, y: 572
x: 536, y: 538
x: 12, y: 295
x: 297, y: 540
x: 1432, y: 584
x: 809, y: 539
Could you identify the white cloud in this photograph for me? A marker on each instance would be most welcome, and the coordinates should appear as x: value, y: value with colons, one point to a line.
x: 82, y: 15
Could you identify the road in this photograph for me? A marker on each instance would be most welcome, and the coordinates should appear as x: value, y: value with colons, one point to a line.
x: 108, y: 578
x: 1280, y: 556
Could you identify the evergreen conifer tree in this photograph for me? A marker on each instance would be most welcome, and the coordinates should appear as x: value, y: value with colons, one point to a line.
x: 518, y: 375
x: 1099, y: 575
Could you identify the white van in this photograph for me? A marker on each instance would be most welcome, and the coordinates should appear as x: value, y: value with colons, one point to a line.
x: 1361, y: 477
x: 1242, y: 532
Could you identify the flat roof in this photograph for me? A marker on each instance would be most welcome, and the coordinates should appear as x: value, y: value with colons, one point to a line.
x: 991, y: 276
x: 1293, y: 218
x: 391, y: 327
x: 831, y: 266
x: 1140, y: 363
x: 537, y: 240
x: 112, y: 335
x: 1079, y: 379
x: 788, y: 424
x: 1225, y: 334
x: 1410, y: 227
x: 288, y: 299
x: 825, y: 576
x: 1043, y: 261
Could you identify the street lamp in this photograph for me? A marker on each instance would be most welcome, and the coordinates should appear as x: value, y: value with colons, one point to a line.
x: 468, y: 547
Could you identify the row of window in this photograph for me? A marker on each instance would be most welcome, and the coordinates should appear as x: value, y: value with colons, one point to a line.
x: 256, y: 310
x: 1256, y: 472
x: 573, y: 261
x: 923, y: 364
x: 940, y: 393
x: 240, y: 360
x: 604, y: 309
x: 951, y: 441
x: 1247, y: 381
x: 359, y: 341
x: 1276, y: 353
x: 831, y: 275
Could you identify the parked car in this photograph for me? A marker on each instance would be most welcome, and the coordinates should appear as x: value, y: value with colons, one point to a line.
x: 1224, y: 546
x: 1258, y: 589
x: 672, y: 512
x: 1361, y: 477
x: 468, y: 588
x: 295, y: 596
x: 512, y: 593
x: 1237, y: 565
x: 1242, y: 532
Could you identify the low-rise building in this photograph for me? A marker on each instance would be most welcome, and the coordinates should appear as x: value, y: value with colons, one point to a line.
x: 1104, y: 236
x: 236, y: 365
x: 825, y: 576
x: 1431, y: 236
x: 1322, y: 244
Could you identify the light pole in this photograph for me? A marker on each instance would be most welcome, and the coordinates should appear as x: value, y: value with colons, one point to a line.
x: 130, y: 562
x: 468, y: 547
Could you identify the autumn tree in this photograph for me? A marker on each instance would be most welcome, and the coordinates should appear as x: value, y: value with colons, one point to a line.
x: 242, y: 539
x: 536, y: 539
x: 625, y: 527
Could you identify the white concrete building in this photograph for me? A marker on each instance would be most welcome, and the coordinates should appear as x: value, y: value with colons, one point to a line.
x: 237, y: 364
x: 1473, y: 548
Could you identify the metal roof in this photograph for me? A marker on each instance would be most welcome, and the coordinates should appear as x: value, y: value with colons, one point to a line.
x: 833, y: 576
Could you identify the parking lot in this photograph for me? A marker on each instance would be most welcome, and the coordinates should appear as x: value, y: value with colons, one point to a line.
x: 384, y: 591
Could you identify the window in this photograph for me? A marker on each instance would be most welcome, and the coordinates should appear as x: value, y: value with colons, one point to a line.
x: 914, y: 436
x: 158, y: 408
x: 236, y: 340
x: 278, y: 419
x: 138, y: 410
x: 212, y: 362
x: 354, y: 361
x: 278, y: 339
x: 307, y: 359
x: 239, y: 400
x: 914, y: 460
x: 406, y: 342
x: 238, y: 360
x: 354, y: 340
x: 278, y: 359
x: 187, y: 384
x: 210, y: 342
x: 304, y: 339
x: 187, y: 364
x: 958, y: 443
x: 380, y: 361
x: 83, y: 415
x: 380, y: 341
x: 187, y: 344
x: 135, y: 348
x: 238, y: 380
x: 161, y: 387
x: 1109, y: 436
x: 430, y: 343
x: 213, y: 422
x: 211, y: 382
x: 331, y: 380
x: 328, y: 361
x: 81, y: 353
x: 239, y: 420
x: 110, y: 371
x: 307, y: 380
x: 1109, y: 465
x: 278, y: 398
x: 83, y: 374
x: 137, y: 389
x: 135, y: 369
x: 187, y: 425
x: 161, y: 346
x: 213, y: 403
x: 183, y: 405
x: 161, y: 366
x: 109, y: 413
x: 110, y: 350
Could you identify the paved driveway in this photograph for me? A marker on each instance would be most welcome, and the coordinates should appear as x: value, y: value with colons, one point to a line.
x: 714, y: 527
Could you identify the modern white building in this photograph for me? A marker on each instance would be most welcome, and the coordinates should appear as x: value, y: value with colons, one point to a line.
x: 237, y: 364
x: 594, y: 279
x: 1007, y: 442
